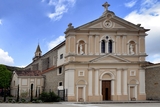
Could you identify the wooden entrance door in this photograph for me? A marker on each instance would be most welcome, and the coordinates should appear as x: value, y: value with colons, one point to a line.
x: 106, y: 89
x: 80, y: 94
x: 132, y: 93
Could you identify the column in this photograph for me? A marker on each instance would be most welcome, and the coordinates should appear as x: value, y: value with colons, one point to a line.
x: 69, y: 82
x: 69, y: 45
x: 112, y: 87
x: 66, y: 79
x: 139, y: 46
x: 125, y: 82
x: 124, y: 45
x: 90, y: 45
x: 97, y: 44
x: 119, y: 82
x: 117, y: 44
x: 113, y: 47
x: 77, y: 48
x: 142, y: 81
x: 106, y: 47
x: 72, y: 44
x: 100, y: 87
x: 90, y: 82
x: 96, y: 82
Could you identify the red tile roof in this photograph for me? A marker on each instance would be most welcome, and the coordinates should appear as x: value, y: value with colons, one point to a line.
x: 47, y: 70
x: 28, y: 73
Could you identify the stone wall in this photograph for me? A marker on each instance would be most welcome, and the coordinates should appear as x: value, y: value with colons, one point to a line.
x: 152, y: 82
x: 52, y: 78
x: 44, y: 62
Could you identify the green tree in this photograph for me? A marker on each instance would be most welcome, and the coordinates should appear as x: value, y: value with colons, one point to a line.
x: 5, y: 79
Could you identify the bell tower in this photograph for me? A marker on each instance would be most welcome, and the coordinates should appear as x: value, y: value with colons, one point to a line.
x: 37, y: 53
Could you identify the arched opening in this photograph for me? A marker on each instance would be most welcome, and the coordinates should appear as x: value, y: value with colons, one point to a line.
x: 107, y: 85
x: 81, y: 90
x: 110, y: 45
x: 133, y: 84
x: 103, y: 46
x: 14, y: 83
x: 81, y: 47
x: 132, y: 48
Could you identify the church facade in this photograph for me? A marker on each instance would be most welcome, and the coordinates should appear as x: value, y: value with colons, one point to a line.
x: 104, y: 60
x: 100, y: 60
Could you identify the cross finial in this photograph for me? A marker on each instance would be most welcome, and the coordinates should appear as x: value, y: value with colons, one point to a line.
x: 106, y: 5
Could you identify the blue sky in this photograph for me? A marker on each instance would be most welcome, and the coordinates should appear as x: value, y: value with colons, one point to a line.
x: 25, y: 23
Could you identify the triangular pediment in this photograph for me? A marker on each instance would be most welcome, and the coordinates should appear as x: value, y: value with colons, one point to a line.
x: 109, y: 59
x: 110, y: 22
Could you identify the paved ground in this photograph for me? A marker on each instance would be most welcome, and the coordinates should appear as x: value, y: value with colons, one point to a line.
x: 82, y: 105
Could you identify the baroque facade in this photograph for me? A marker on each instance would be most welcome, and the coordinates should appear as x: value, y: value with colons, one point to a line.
x: 100, y: 60
x: 104, y: 60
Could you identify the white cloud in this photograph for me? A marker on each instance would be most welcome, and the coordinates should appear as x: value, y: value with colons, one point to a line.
x: 148, y: 3
x: 42, y: 0
x: 5, y: 58
x: 156, y: 55
x: 61, y: 7
x: 131, y: 3
x: 155, y: 58
x: 54, y: 43
x: 22, y: 66
x: 156, y: 61
x: 0, y: 22
x: 148, y: 16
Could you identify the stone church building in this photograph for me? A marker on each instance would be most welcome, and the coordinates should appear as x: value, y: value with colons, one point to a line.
x: 104, y: 60
x: 100, y: 60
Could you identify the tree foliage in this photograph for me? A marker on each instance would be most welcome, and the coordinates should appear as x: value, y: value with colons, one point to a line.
x: 5, y: 77
x: 49, y: 97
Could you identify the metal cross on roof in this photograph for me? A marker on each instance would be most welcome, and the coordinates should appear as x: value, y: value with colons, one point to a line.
x: 106, y: 5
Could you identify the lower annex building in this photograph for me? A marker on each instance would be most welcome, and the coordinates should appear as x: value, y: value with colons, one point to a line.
x: 100, y: 60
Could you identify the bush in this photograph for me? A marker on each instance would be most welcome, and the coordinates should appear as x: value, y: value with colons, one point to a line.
x: 10, y: 100
x: 27, y: 101
x: 13, y: 101
x: 7, y: 101
x: 49, y: 97
x: 23, y: 100
x: 24, y: 94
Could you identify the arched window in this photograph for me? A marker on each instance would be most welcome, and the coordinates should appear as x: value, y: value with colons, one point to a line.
x: 110, y: 46
x: 103, y: 46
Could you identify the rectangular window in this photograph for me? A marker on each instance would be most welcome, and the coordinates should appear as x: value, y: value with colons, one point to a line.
x: 132, y: 73
x: 60, y: 70
x: 61, y: 56
x: 81, y: 73
x: 60, y: 84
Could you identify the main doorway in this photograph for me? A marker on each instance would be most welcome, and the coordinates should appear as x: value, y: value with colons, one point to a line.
x: 106, y: 89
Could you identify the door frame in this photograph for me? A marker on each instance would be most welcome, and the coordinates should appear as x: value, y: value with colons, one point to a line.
x: 112, y: 79
x: 84, y: 92
x: 135, y: 91
x: 108, y: 90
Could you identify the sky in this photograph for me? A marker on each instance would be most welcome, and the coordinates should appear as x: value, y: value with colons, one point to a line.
x: 26, y: 23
